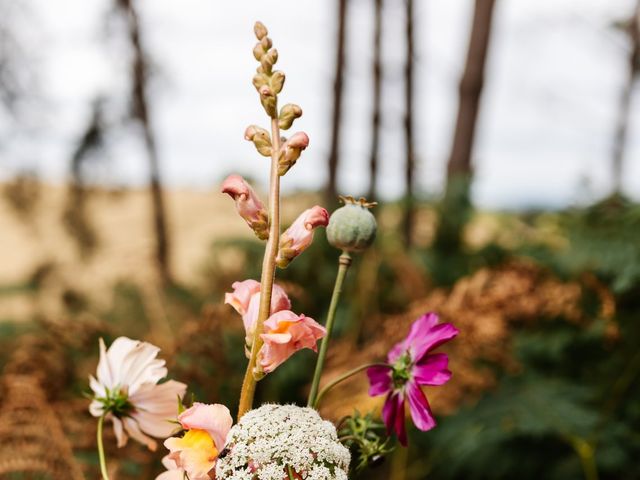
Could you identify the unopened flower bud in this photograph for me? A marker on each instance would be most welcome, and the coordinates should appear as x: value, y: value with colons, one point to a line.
x: 266, y: 43
x: 260, y: 80
x: 353, y: 227
x: 297, y: 238
x: 277, y: 81
x: 260, y: 30
x: 248, y: 205
x: 288, y: 114
x: 260, y: 138
x: 268, y: 101
x: 290, y: 151
x: 258, y: 51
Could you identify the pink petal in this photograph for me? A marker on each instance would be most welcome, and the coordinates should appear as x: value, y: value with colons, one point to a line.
x: 121, y: 436
x: 285, y: 334
x: 432, y: 370
x: 379, y: 380
x: 215, y: 419
x: 401, y: 429
x: 132, y: 428
x: 389, y: 411
x: 419, y: 407
x: 297, y: 238
x: 156, y: 407
x: 241, y: 295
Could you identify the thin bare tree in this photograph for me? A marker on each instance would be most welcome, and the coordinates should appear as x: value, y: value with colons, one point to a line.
x: 140, y: 112
x: 470, y: 91
x: 337, y: 101
x: 626, y: 99
x: 409, y: 210
x: 455, y: 209
x: 376, y: 100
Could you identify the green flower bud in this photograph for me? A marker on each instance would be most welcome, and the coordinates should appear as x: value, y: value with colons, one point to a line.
x: 260, y: 30
x: 352, y: 228
x: 277, y: 81
x: 260, y: 138
x: 288, y: 114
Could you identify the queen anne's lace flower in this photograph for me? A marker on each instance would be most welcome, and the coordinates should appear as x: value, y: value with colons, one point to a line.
x: 269, y: 439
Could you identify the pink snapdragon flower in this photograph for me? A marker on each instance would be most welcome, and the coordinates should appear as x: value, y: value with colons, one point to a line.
x: 291, y: 150
x: 285, y: 334
x: 248, y: 204
x: 297, y: 238
x: 196, y: 452
x: 245, y: 299
x: 411, y: 365
x: 126, y: 391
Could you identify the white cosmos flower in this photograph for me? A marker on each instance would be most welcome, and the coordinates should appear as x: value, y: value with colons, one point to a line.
x: 127, y: 392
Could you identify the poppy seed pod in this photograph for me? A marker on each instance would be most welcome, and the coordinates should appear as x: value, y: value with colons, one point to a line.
x: 353, y: 227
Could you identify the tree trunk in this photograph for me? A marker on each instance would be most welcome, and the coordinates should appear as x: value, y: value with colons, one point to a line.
x: 377, y: 89
x: 139, y: 75
x: 409, y: 210
x: 471, y: 91
x: 455, y: 209
x: 626, y: 98
x: 337, y: 102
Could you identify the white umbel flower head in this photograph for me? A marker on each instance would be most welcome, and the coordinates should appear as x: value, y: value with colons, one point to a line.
x: 126, y: 391
x: 272, y: 438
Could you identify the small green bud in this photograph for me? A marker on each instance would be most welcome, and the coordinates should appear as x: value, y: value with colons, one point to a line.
x: 258, y: 51
x: 260, y: 80
x: 353, y: 227
x: 260, y: 30
x: 269, y: 101
x: 260, y: 138
x: 277, y: 81
x: 288, y: 114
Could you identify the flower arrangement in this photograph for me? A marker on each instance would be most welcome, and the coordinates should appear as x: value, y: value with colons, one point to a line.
x: 272, y: 442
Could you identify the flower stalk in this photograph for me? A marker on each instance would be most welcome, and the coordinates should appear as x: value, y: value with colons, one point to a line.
x: 268, y: 274
x: 101, y: 456
x: 342, y: 378
x: 344, y: 262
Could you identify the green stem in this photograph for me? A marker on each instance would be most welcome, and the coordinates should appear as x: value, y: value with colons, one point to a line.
x: 343, y: 377
x: 289, y: 472
x: 344, y: 261
x: 268, y: 274
x: 587, y: 457
x: 103, y: 463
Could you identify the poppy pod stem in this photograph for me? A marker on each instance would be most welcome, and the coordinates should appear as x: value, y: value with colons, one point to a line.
x: 103, y: 463
x: 344, y: 262
x: 268, y: 275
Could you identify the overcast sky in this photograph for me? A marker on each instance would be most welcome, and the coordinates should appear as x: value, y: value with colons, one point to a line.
x: 555, y: 72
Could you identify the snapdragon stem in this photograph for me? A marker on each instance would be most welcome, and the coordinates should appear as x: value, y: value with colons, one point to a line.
x: 343, y: 377
x: 344, y: 261
x: 268, y: 273
x: 103, y: 463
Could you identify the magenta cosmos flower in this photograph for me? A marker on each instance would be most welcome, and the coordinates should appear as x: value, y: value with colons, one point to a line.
x: 411, y: 365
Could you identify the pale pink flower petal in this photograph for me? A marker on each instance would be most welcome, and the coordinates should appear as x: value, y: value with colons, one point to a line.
x: 248, y: 205
x: 241, y: 295
x: 156, y: 407
x: 246, y: 300
x: 297, y: 238
x: 214, y: 419
x: 285, y: 334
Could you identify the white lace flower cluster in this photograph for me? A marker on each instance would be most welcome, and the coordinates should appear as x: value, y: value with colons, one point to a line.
x: 272, y: 438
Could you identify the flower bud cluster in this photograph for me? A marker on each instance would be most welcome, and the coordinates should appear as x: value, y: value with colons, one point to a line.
x: 268, y: 82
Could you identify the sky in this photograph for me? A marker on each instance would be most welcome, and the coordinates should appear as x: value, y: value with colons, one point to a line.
x: 544, y: 139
